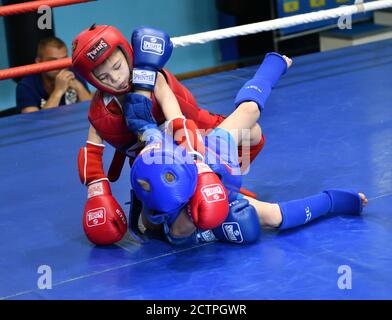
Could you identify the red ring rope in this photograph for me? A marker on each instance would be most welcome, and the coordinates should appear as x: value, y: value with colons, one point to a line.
x: 21, y: 71
x: 34, y: 5
x: 24, y: 7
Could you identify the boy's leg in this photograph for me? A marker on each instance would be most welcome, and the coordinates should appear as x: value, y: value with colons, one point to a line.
x: 268, y: 213
x: 258, y: 89
x: 249, y: 103
x: 252, y: 97
x: 249, y: 140
x: 243, y: 126
x: 294, y: 213
x: 250, y: 147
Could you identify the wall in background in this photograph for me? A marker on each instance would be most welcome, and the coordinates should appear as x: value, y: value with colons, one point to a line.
x: 177, y: 17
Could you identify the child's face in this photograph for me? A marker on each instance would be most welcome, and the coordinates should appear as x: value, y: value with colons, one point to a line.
x: 114, y: 71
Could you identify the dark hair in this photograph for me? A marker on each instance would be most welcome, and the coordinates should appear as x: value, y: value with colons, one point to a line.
x: 49, y: 41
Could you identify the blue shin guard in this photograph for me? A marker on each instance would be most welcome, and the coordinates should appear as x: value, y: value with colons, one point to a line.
x: 258, y: 89
x: 338, y: 201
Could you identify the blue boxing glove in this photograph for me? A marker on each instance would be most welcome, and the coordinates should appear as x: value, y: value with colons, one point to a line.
x: 138, y: 113
x: 241, y: 225
x: 152, y: 48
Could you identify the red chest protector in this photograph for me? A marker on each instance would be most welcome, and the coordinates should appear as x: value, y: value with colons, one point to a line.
x: 106, y: 116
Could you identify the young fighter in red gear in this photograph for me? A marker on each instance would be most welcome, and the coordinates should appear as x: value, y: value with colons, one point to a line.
x: 104, y: 58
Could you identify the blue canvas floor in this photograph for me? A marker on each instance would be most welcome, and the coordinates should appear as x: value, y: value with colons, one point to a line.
x: 328, y: 124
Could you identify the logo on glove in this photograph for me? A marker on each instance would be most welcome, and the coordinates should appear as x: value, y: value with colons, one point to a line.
x: 213, y: 193
x: 95, y: 189
x: 143, y: 76
x: 208, y: 236
x: 153, y: 45
x: 232, y: 231
x: 96, y: 217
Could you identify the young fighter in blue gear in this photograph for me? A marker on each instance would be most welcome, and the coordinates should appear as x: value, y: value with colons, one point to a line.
x: 246, y: 214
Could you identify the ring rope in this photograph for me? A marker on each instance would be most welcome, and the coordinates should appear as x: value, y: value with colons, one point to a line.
x: 34, y: 5
x: 28, y: 69
x: 280, y: 23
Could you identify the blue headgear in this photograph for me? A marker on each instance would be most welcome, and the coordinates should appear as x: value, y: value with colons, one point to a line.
x: 164, y: 178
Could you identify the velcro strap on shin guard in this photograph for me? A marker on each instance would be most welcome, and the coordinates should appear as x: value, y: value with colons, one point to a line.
x: 344, y: 201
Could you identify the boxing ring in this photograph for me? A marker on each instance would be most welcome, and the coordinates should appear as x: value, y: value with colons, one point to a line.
x: 327, y: 124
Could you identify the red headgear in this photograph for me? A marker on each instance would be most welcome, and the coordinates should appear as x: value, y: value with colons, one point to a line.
x: 92, y: 47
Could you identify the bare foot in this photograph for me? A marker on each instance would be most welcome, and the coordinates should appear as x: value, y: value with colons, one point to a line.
x: 288, y: 61
x: 364, y: 199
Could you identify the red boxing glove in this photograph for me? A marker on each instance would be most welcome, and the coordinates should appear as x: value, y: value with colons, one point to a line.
x: 104, y: 222
x: 209, y: 205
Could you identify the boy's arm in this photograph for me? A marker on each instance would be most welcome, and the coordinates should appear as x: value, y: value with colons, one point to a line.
x: 166, y: 98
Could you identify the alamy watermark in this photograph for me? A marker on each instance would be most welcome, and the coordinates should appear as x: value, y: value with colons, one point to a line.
x: 346, y: 21
x: 45, y: 20
x: 45, y: 279
x: 232, y: 148
x: 345, y: 281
